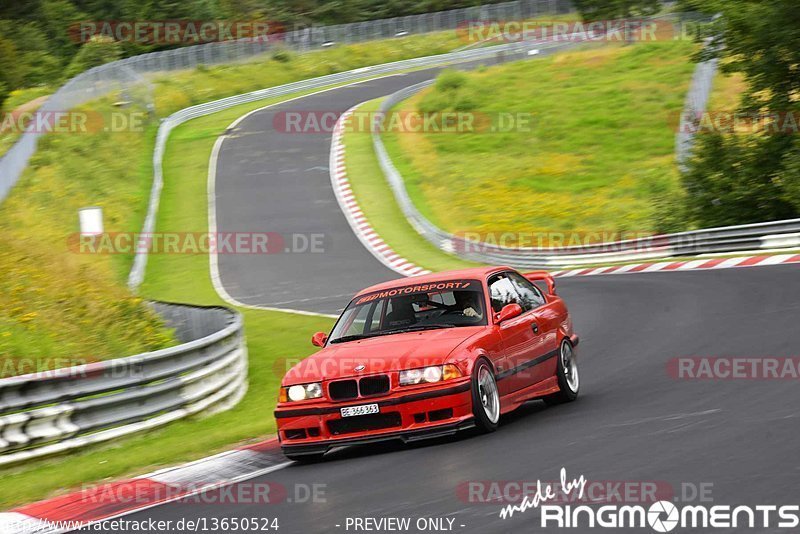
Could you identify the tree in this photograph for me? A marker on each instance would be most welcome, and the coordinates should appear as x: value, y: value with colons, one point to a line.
x: 55, y: 18
x: 738, y: 178
x: 9, y: 70
x: 730, y: 180
x: 99, y: 50
x: 616, y: 9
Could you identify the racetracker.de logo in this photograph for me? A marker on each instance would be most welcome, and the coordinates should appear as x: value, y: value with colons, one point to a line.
x: 414, y: 122
x: 197, y: 243
x: 176, y: 32
x: 737, y: 122
x: 616, y: 30
x: 72, y: 122
x: 734, y: 368
x: 595, y: 492
x: 596, y: 240
x: 146, y: 491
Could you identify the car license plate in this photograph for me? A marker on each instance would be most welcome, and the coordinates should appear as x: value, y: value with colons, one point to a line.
x: 364, y: 409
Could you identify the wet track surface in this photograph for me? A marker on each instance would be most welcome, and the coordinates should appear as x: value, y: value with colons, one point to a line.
x: 268, y: 180
x: 633, y: 421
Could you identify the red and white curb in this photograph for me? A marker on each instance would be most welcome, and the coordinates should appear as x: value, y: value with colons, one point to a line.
x: 355, y: 217
x: 116, y: 499
x: 383, y: 252
x: 689, y: 265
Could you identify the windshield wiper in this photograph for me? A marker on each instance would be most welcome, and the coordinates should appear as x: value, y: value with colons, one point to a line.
x: 415, y: 328
x: 431, y: 326
x: 351, y: 337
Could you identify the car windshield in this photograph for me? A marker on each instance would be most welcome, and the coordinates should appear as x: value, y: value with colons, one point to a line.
x: 434, y: 305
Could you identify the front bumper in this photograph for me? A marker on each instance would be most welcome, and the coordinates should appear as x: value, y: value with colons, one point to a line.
x: 423, y: 413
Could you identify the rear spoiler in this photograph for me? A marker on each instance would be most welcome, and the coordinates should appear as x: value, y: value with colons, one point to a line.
x: 538, y: 276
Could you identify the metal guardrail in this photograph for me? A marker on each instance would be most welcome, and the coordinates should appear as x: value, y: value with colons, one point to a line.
x: 55, y: 411
x: 498, y: 52
x: 760, y: 236
x: 130, y: 75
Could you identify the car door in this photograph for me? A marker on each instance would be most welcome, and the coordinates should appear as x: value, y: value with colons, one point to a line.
x: 520, y: 336
x: 546, y: 321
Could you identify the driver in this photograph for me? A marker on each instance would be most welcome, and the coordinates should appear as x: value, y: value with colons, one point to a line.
x: 468, y: 303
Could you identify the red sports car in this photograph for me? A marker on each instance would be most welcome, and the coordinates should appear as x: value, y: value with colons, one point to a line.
x: 427, y: 356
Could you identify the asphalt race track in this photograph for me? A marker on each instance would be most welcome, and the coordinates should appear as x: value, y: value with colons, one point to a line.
x: 633, y: 421
x: 268, y: 180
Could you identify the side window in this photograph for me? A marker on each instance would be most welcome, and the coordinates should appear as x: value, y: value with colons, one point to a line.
x: 530, y: 296
x: 502, y: 292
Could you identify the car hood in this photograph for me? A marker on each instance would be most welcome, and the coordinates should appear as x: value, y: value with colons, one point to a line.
x: 380, y: 354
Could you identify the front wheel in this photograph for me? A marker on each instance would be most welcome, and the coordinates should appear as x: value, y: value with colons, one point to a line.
x: 568, y: 378
x: 485, y: 397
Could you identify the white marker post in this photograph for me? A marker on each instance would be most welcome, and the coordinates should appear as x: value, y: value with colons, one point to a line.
x: 91, y: 221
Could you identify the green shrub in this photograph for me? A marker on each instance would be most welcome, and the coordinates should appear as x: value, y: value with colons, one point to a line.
x: 282, y: 55
x: 97, y: 51
x: 450, y: 80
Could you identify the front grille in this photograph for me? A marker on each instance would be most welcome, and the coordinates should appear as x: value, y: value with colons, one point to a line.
x: 362, y: 423
x: 373, y: 385
x: 367, y: 386
x: 343, y: 390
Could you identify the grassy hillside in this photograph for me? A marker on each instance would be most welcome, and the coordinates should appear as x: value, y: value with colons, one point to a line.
x: 58, y: 307
x: 598, y: 156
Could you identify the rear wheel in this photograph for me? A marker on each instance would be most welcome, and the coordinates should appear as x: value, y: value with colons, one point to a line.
x: 485, y: 397
x: 568, y: 377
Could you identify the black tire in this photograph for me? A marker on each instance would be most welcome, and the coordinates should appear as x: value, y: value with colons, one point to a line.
x: 568, y: 379
x: 481, y: 395
x: 305, y: 458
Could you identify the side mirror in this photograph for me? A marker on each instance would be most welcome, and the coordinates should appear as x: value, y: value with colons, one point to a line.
x: 509, y: 311
x: 319, y: 339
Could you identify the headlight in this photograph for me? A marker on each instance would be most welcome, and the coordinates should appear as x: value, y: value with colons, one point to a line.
x: 429, y: 375
x: 301, y: 392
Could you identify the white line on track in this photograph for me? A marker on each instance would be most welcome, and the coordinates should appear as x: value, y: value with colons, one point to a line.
x: 213, y: 259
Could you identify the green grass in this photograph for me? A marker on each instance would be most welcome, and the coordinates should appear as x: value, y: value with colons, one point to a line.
x: 58, y: 305
x: 185, y: 88
x: 600, y: 150
x: 21, y: 97
x: 64, y: 307
x: 274, y: 341
x: 376, y: 200
x: 16, y: 99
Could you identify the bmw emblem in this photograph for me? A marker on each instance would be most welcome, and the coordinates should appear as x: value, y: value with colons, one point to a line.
x: 359, y: 368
